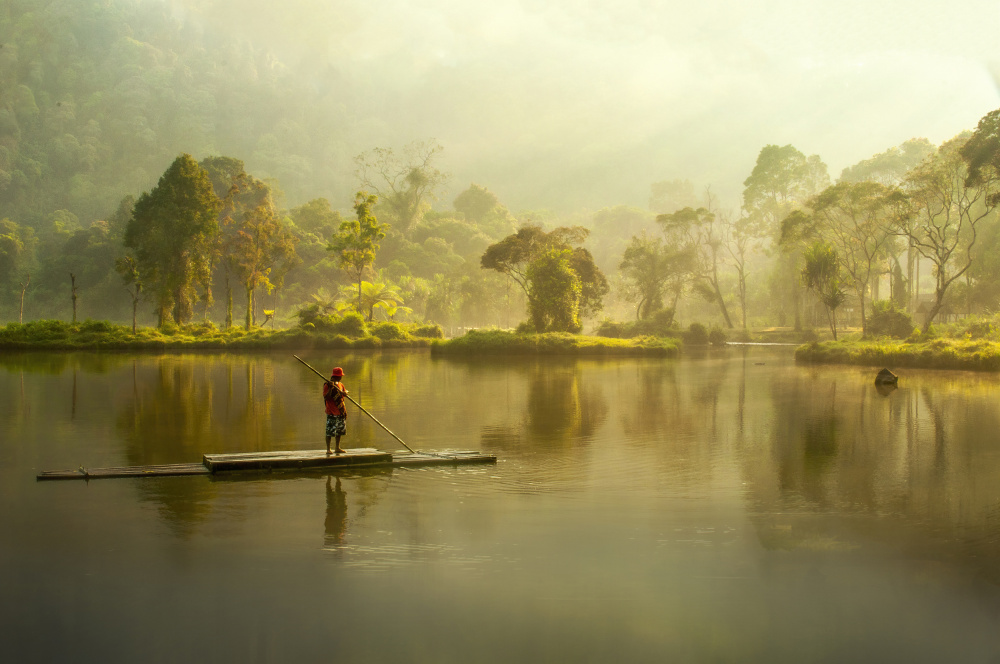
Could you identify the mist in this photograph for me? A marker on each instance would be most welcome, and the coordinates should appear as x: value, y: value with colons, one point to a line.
x: 569, y: 105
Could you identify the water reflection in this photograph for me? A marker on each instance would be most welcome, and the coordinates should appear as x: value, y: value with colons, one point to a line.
x: 848, y: 464
x: 682, y: 491
x: 565, y: 405
x: 335, y: 525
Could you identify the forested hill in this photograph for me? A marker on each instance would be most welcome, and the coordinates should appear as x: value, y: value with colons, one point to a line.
x: 97, y: 97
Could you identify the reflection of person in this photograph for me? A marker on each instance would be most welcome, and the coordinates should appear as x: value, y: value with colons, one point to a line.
x: 336, y: 514
x: 336, y: 414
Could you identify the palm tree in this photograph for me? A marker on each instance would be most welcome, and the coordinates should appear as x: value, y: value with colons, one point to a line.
x: 381, y: 295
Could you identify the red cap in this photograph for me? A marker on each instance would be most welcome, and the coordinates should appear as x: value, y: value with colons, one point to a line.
x: 337, y: 372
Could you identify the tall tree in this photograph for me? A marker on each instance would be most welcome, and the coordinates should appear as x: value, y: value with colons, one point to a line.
x: 781, y: 181
x: 480, y: 206
x: 262, y: 250
x: 821, y: 274
x: 890, y: 168
x: 950, y: 194
x: 739, y: 246
x: 515, y: 254
x: 699, y: 232
x: 650, y: 268
x: 129, y: 271
x: 356, y: 243
x: 171, y: 231
x: 406, y: 182
x: 554, y: 292
x: 859, y: 220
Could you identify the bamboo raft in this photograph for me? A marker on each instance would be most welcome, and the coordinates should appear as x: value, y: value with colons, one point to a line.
x: 215, y: 464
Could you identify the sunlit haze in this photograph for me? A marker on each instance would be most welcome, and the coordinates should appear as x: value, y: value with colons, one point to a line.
x: 567, y: 104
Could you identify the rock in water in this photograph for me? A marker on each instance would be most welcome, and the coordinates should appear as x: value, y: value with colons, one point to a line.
x: 886, y: 377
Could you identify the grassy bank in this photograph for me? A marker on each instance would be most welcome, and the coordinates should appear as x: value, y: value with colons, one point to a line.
x: 939, y: 353
x: 498, y: 342
x: 102, y: 335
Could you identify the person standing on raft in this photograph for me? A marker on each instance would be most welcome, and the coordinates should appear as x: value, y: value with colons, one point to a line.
x: 336, y: 413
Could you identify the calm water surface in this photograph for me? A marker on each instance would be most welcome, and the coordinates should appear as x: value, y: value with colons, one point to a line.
x: 730, y: 508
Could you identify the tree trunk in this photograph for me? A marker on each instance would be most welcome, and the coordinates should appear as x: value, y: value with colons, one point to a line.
x: 249, y: 306
x: 864, y: 319
x: 24, y: 287
x: 831, y: 316
x: 72, y: 281
x: 796, y: 296
x: 938, y: 303
x: 743, y: 298
x: 135, y: 308
x: 229, y: 303
x: 722, y: 303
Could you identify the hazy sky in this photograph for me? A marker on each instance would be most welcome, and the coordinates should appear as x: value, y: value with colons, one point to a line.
x: 559, y: 103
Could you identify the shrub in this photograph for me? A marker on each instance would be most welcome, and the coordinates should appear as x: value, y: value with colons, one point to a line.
x: 717, y: 337
x: 525, y: 327
x: 201, y: 329
x: 657, y: 325
x: 808, y: 336
x: 387, y: 330
x: 428, y: 331
x: 613, y: 329
x: 696, y: 335
x: 351, y: 325
x: 308, y: 314
x: 887, y: 320
x: 96, y: 326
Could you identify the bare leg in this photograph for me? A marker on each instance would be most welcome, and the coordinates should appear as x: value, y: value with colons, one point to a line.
x: 339, y: 451
x: 328, y: 444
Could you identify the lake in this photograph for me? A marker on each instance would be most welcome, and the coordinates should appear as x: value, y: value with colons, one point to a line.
x: 730, y: 507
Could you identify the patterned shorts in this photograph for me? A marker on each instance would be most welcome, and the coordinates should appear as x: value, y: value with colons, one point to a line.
x: 336, y: 425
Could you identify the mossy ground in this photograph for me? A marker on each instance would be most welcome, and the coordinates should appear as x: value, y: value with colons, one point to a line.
x: 102, y: 335
x: 972, y: 343
x: 939, y: 353
x: 500, y: 342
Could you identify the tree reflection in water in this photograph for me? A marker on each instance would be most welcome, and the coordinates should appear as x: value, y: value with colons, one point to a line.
x: 848, y: 464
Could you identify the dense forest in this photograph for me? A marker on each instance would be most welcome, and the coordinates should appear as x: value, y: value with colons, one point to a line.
x: 152, y: 167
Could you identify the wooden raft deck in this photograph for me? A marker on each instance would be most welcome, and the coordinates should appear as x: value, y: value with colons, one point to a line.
x: 221, y: 464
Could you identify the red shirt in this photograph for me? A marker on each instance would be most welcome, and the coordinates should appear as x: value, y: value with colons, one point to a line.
x: 334, y: 402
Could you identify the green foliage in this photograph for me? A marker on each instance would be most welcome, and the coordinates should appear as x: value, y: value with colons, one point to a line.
x: 499, y: 342
x: 351, y: 324
x: 889, y: 321
x: 696, y: 335
x: 660, y: 324
x: 431, y: 331
x: 170, y: 232
x: 650, y: 269
x: 388, y: 330
x: 356, y: 242
x: 889, y: 167
x: 405, y: 182
x: 59, y: 335
x: 928, y: 353
x: 483, y: 210
x: 717, y: 337
x: 572, y: 286
x: 821, y: 274
x: 781, y: 177
x: 554, y: 294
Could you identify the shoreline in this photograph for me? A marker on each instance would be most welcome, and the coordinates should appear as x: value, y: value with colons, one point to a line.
x: 939, y: 353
